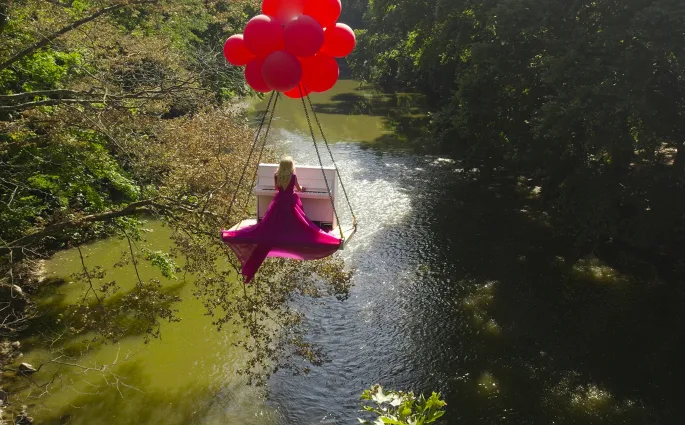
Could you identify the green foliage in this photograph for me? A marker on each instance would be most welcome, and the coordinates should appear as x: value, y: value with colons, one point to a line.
x: 73, y: 156
x: 401, y: 408
x: 44, y: 70
x: 583, y: 100
x: 163, y: 262
x: 125, y: 115
x: 47, y: 177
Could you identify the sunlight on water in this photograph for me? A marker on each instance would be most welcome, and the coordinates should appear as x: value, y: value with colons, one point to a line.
x: 488, y: 384
x: 477, y: 304
x: 592, y: 400
x: 390, y: 201
x: 492, y: 327
x: 595, y: 270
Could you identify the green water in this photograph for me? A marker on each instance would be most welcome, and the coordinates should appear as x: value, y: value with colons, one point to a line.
x: 352, y: 112
x: 187, y: 376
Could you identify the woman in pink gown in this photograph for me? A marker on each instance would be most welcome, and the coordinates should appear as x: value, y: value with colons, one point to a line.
x: 285, y: 231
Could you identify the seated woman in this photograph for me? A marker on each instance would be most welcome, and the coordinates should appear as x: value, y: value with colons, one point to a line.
x: 285, y: 231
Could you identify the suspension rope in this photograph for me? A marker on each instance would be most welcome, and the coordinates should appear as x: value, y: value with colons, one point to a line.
x: 273, y: 98
x: 261, y: 151
x: 323, y: 136
x: 316, y: 147
x: 249, y: 157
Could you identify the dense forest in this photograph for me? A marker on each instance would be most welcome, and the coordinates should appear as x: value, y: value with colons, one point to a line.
x: 581, y: 100
x: 115, y: 111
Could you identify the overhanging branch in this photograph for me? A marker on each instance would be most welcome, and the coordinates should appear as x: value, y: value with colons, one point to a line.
x: 146, y: 206
x: 23, y: 242
x: 58, y: 97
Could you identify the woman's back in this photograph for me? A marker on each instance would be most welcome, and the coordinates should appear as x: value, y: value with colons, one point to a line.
x: 290, y: 188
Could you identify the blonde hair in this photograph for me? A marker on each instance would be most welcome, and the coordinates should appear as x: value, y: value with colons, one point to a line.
x: 285, y: 172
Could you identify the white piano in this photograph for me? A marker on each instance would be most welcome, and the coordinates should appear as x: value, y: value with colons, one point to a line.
x: 315, y: 199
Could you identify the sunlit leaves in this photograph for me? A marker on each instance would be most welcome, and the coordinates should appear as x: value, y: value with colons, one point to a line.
x: 401, y: 408
x: 163, y: 262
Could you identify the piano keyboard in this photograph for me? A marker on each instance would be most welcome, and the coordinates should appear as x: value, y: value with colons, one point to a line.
x: 271, y: 189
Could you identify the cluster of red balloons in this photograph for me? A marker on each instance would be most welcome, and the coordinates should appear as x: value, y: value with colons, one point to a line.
x: 292, y: 46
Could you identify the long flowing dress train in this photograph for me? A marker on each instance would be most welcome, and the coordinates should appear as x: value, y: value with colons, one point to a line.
x: 285, y: 231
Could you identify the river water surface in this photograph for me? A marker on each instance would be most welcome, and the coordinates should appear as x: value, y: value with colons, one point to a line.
x: 457, y: 288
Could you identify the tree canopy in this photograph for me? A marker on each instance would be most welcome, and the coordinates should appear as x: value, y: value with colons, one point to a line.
x: 582, y: 99
x: 115, y: 110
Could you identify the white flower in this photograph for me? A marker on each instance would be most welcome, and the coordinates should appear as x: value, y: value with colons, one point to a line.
x: 381, y: 398
x: 396, y: 400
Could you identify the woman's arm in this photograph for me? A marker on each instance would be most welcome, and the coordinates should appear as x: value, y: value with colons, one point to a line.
x: 297, y: 185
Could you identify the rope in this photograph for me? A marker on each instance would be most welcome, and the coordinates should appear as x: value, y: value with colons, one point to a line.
x: 323, y: 136
x: 242, y: 175
x: 261, y: 152
x: 316, y: 147
x: 247, y: 162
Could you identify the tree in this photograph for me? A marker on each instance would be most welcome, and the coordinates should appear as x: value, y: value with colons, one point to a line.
x: 581, y: 99
x: 114, y: 109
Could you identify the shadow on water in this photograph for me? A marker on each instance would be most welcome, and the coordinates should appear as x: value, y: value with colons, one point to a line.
x: 47, y: 330
x: 521, y: 331
x: 472, y: 293
x: 137, y: 398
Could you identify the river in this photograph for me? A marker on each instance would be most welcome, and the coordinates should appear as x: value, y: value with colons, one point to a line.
x: 457, y: 288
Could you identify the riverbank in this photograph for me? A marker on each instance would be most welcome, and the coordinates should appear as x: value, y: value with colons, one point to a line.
x: 459, y: 286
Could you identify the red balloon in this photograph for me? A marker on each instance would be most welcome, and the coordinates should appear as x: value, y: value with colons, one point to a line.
x: 253, y: 76
x: 320, y: 73
x: 282, y: 71
x: 303, y: 36
x: 340, y: 41
x: 235, y: 51
x: 298, y: 92
x: 326, y: 12
x: 283, y: 10
x: 263, y: 35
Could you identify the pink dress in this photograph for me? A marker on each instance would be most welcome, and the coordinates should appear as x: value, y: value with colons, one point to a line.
x: 285, y: 231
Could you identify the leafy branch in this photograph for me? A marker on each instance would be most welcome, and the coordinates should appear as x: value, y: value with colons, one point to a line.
x: 72, y: 26
x: 401, y: 408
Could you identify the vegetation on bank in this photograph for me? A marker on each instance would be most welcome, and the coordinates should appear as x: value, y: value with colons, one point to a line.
x: 114, y: 109
x: 581, y: 101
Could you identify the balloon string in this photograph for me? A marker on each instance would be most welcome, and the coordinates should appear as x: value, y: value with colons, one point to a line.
x: 318, y: 155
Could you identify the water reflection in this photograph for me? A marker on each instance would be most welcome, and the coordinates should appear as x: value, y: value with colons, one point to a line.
x: 187, y: 377
x: 352, y: 112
